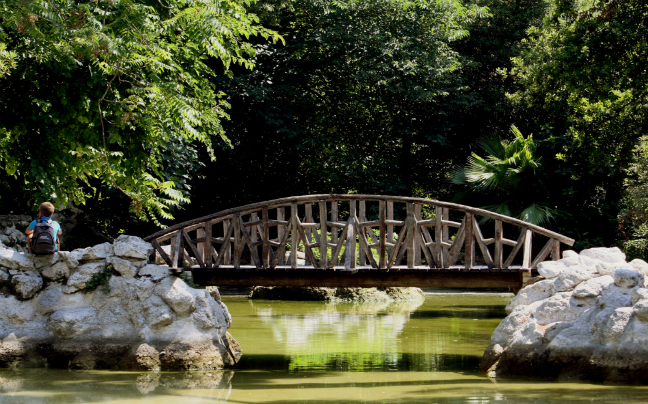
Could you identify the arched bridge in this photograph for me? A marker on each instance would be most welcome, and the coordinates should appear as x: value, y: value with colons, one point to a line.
x: 358, y: 241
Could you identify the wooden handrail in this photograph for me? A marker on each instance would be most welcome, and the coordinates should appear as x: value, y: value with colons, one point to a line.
x: 439, y: 251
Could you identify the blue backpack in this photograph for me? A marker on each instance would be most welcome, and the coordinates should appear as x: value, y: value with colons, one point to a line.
x: 42, y: 241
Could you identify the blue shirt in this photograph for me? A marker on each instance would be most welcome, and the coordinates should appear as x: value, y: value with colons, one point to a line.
x: 55, y: 225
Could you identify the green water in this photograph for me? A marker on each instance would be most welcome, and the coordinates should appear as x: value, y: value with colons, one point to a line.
x: 298, y: 352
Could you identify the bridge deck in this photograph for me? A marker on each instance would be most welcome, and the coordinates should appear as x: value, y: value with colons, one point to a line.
x: 422, y: 276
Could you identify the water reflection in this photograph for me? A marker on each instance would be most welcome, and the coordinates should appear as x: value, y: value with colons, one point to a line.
x: 63, y: 386
x: 340, y: 336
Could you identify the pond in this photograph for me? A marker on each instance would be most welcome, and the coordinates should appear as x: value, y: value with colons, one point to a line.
x: 315, y: 352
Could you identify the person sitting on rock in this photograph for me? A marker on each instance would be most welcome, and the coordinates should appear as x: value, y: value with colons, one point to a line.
x: 48, y: 231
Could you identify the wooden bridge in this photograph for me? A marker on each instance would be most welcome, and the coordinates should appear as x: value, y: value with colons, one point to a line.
x: 382, y: 241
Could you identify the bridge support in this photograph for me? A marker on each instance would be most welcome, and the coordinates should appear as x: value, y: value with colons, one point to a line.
x: 369, y: 279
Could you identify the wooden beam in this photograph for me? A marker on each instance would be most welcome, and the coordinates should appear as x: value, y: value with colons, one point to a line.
x: 390, y: 216
x: 209, y: 250
x: 468, y: 280
x: 225, y: 246
x: 338, y: 247
x: 518, y: 246
x: 363, y: 216
x: 482, y: 246
x: 334, y: 218
x: 499, y: 247
x: 247, y: 238
x: 456, y: 244
x: 417, y: 244
x: 526, y: 258
x: 555, y: 251
x: 175, y: 253
x: 382, y: 234
x: 351, y: 237
x: 294, y: 237
x: 438, y: 238
x: 469, y: 250
x: 265, y: 249
x: 323, y: 247
x: 543, y: 253
x: 281, y: 215
x: 193, y: 248
x: 163, y: 254
x: 282, y: 247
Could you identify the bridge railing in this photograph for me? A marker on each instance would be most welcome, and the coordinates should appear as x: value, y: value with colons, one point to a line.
x: 442, y: 235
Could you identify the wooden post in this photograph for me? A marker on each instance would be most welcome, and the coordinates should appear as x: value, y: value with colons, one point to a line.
x: 409, y: 241
x: 227, y: 257
x: 201, y: 246
x: 349, y: 251
x: 382, y: 234
x: 308, y: 232
x: 208, y: 244
x: 265, y: 252
x: 469, y: 240
x: 352, y: 253
x: 417, y: 245
x: 363, y: 214
x: 555, y: 251
x: 526, y: 257
x: 499, y: 246
x: 294, y: 237
x: 445, y: 237
x: 174, y: 253
x: 281, y: 215
x: 253, y: 229
x: 390, y: 216
x: 334, y: 218
x: 323, y: 249
x: 438, y: 238
x: 238, y: 247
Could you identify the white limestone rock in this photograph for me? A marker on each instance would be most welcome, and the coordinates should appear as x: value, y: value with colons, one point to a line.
x: 532, y: 293
x: 604, y: 254
x: 27, y: 284
x: 569, y: 254
x: 132, y: 247
x: 69, y: 323
x: 628, y: 278
x: 593, y: 287
x: 94, y: 253
x: 15, y: 311
x: 154, y: 270
x: 176, y: 294
x: 123, y: 266
x: 15, y: 260
x: 589, y: 321
x: 550, y: 269
x: 84, y: 273
x: 4, y: 276
x: 57, y: 272
x: 46, y: 260
x: 640, y: 266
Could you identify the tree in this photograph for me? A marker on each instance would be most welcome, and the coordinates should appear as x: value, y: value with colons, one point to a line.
x: 584, y: 70
x: 115, y: 93
x: 507, y: 174
x: 360, y: 99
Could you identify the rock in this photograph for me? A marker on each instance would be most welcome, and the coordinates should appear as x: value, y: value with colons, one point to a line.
x: 588, y: 322
x: 176, y: 294
x: 593, y: 287
x: 98, y: 252
x: 4, y: 276
x: 123, y: 266
x: 638, y: 294
x: 628, y: 278
x: 550, y: 269
x: 69, y: 323
x: 27, y: 284
x: 15, y: 311
x: 640, y: 310
x: 56, y: 272
x: 154, y: 270
x: 213, y: 291
x: 569, y: 254
x: 14, y: 260
x: 610, y: 255
x: 84, y: 273
x: 69, y: 258
x: 610, y: 324
x: 533, y: 293
x: 132, y: 247
x: 47, y: 260
x: 640, y: 266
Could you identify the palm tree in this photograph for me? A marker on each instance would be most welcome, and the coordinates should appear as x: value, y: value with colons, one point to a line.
x: 507, y: 167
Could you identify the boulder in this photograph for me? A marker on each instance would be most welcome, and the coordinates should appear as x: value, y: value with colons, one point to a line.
x: 123, y: 266
x: 69, y: 323
x: 550, y: 269
x: 628, y: 278
x: 176, y: 294
x: 610, y: 255
x: 154, y: 270
x: 581, y: 324
x: 15, y: 260
x: 27, y: 284
x: 132, y: 247
x: 84, y: 273
x: 58, y: 271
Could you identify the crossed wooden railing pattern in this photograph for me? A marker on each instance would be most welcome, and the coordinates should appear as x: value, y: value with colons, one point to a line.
x: 251, y: 227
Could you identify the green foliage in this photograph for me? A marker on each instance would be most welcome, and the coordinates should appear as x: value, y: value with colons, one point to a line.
x: 506, y: 167
x: 103, y: 90
x: 189, y: 280
x: 583, y: 72
x: 100, y: 279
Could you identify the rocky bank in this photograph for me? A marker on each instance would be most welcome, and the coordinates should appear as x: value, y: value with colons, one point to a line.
x: 106, y: 307
x: 585, y: 319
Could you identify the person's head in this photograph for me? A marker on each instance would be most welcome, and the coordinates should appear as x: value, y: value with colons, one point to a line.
x: 46, y: 209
